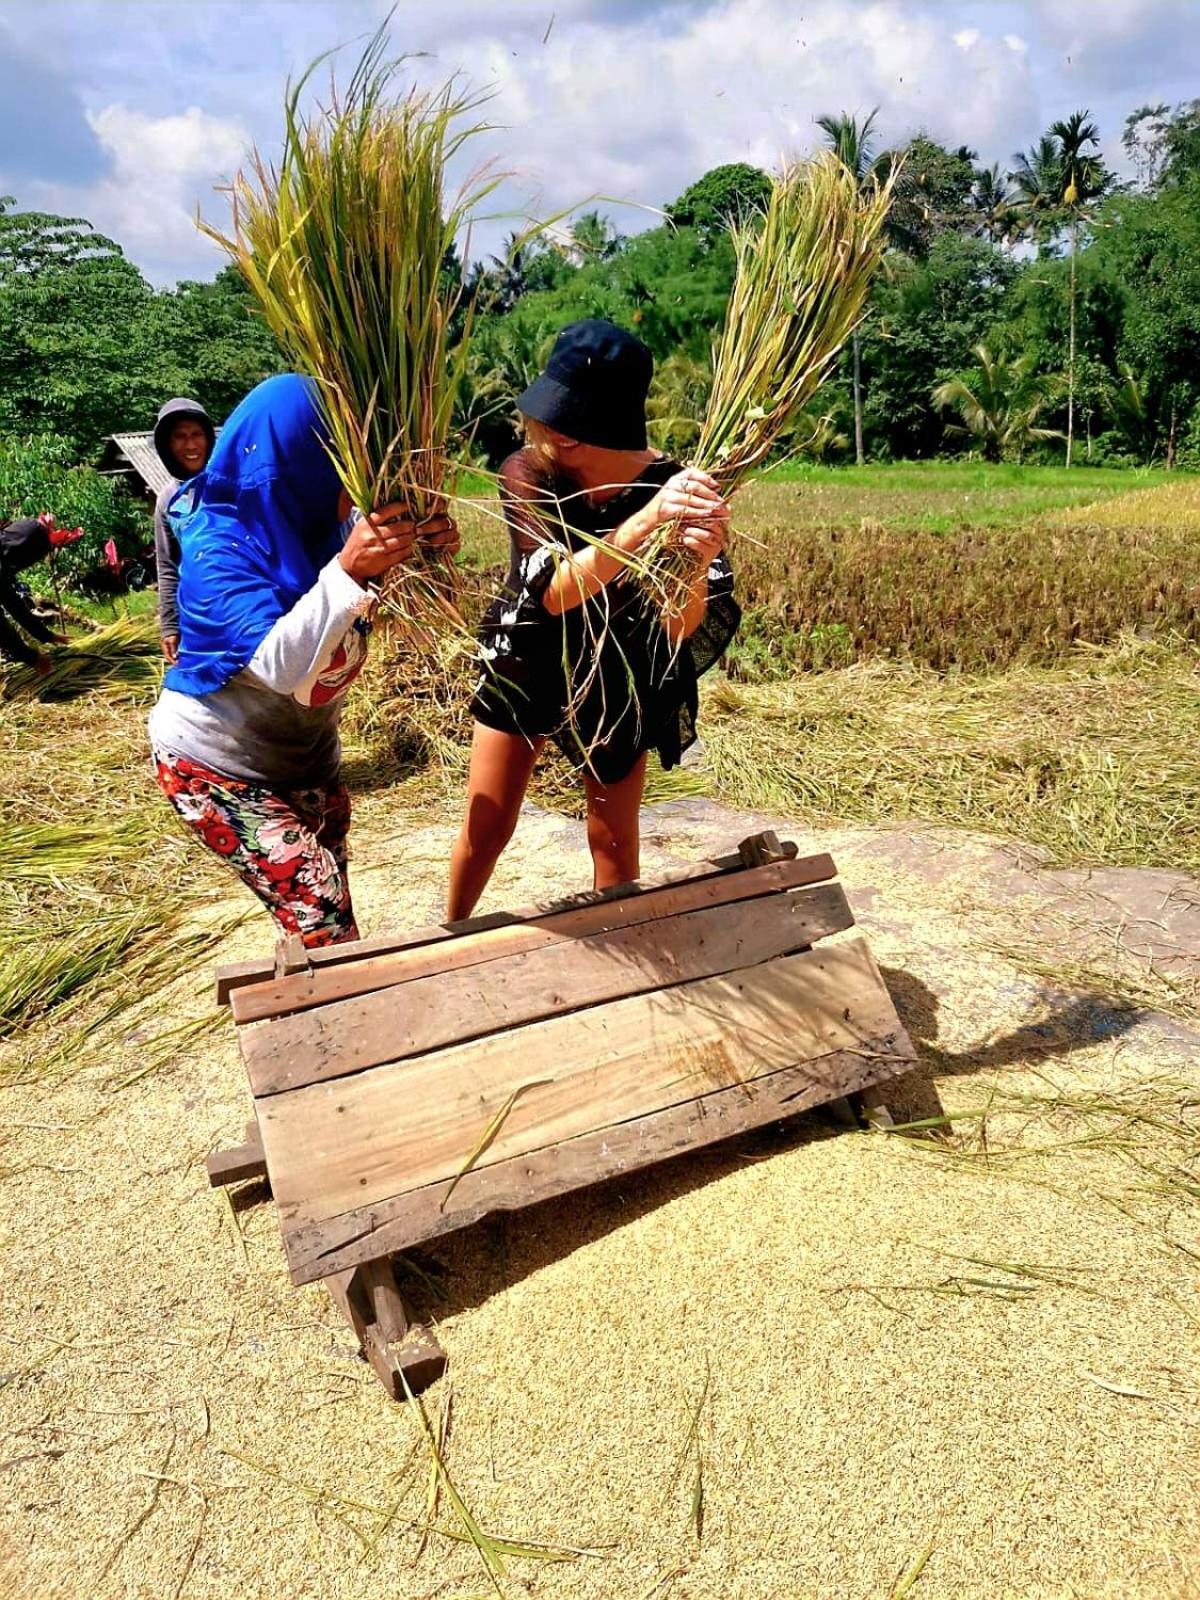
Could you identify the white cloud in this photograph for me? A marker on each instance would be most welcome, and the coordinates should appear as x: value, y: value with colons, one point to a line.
x: 639, y: 111
x: 621, y: 98
x: 159, y: 170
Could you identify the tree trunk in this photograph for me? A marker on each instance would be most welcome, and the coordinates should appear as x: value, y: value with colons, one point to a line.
x: 1171, y: 438
x: 859, y: 455
x: 1071, y: 346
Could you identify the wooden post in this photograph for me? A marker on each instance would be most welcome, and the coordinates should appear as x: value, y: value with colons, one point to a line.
x: 371, y: 1303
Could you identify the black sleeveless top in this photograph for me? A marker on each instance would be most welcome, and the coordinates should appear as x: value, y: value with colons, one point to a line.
x: 602, y: 680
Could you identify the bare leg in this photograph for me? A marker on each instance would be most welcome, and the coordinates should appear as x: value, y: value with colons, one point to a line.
x: 612, y: 826
x: 501, y: 767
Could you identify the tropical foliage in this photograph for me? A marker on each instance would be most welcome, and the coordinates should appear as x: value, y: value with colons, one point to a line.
x: 1043, y: 257
x: 999, y: 401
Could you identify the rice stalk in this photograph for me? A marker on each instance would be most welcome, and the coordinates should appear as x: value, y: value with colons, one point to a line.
x: 343, y: 244
x: 45, y: 853
x: 911, y: 1575
x: 492, y: 1550
x: 804, y: 268
x: 40, y: 969
x: 125, y: 654
x: 489, y: 1135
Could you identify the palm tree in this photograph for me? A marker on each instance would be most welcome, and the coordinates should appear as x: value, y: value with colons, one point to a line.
x: 1058, y: 180
x: 593, y: 238
x: 992, y: 203
x: 1084, y: 179
x: 1037, y: 175
x: 999, y: 401
x: 852, y: 142
x: 677, y: 401
x: 1133, y: 416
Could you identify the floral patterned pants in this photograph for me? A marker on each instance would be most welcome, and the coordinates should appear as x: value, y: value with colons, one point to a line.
x: 288, y: 846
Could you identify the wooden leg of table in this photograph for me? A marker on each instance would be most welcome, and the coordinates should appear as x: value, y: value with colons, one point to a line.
x: 368, y: 1298
x: 239, y: 1163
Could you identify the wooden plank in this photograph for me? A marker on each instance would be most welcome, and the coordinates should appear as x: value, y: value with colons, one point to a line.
x: 234, y: 974
x: 240, y: 1162
x: 238, y: 974
x: 291, y: 956
x: 333, y: 1147
x: 325, y: 985
x: 314, y: 1250
x: 335, y: 1041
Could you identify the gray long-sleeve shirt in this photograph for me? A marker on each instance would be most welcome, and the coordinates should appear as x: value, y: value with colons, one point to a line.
x: 276, y: 722
x: 166, y: 562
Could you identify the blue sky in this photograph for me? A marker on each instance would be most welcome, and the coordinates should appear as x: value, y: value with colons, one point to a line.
x: 129, y: 112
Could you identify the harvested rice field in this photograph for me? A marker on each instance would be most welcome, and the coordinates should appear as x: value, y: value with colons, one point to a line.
x: 955, y: 1360
x: 812, y: 1362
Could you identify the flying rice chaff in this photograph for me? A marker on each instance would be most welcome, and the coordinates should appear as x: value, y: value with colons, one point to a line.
x: 344, y: 245
x: 804, y: 267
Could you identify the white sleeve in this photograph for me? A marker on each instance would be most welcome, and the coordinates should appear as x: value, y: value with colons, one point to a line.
x: 301, y: 645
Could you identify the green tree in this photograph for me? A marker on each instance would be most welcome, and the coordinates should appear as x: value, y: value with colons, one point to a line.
x: 677, y: 402
x: 1037, y: 179
x: 212, y: 338
x: 1060, y: 181
x: 999, y: 401
x: 932, y: 194
x: 593, y: 238
x: 1148, y: 254
x: 37, y: 473
x: 724, y: 195
x: 1084, y: 179
x: 1163, y: 144
x: 991, y: 205
x: 926, y: 317
x: 76, y: 353
x: 1134, y: 418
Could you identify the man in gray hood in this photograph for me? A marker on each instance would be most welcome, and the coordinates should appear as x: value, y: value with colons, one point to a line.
x: 183, y: 437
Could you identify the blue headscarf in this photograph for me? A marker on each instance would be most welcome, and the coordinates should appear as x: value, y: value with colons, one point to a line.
x: 255, y: 527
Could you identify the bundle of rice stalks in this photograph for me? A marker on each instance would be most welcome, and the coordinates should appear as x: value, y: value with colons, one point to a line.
x: 43, y: 967
x: 803, y: 271
x: 47, y: 853
x: 123, y: 655
x: 344, y: 245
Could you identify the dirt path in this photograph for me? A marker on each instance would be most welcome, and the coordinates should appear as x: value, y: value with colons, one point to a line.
x: 809, y: 1364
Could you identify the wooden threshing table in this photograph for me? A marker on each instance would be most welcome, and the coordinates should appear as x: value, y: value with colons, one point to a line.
x: 407, y: 1086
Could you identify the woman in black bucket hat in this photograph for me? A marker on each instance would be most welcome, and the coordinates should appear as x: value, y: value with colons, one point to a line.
x: 573, y: 650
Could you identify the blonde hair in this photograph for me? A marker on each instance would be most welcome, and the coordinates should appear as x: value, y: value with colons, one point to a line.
x: 542, y: 440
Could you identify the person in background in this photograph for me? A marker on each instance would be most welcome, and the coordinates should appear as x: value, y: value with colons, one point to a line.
x: 23, y: 543
x: 184, y: 438
x: 274, y: 612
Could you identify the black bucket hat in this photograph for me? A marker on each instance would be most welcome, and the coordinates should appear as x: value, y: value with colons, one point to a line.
x: 174, y: 411
x: 594, y: 386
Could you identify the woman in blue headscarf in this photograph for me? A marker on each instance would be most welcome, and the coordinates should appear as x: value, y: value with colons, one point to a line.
x: 274, y: 618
